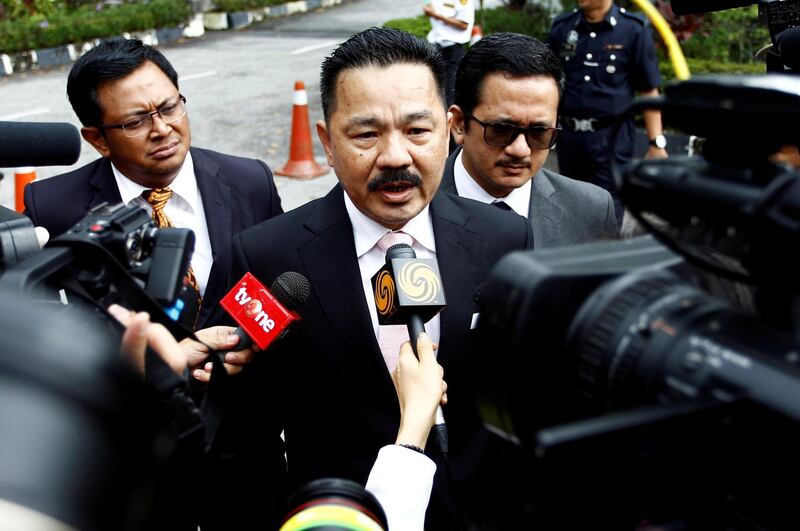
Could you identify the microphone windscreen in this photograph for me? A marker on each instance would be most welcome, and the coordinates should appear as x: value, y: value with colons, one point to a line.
x: 694, y: 7
x: 291, y: 289
x: 788, y: 43
x: 400, y: 250
x: 38, y: 144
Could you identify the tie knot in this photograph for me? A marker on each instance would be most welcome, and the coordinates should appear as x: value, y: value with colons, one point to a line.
x: 393, y: 238
x: 502, y: 205
x: 157, y: 197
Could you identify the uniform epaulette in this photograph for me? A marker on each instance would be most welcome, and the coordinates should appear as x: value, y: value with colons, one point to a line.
x: 638, y: 17
x: 564, y: 16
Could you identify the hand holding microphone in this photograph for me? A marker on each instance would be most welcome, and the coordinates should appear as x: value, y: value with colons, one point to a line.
x: 264, y: 315
x: 420, y: 391
x: 408, y: 290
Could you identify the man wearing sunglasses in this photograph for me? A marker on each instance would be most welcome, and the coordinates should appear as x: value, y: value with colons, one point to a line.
x: 505, y: 117
x: 126, y: 95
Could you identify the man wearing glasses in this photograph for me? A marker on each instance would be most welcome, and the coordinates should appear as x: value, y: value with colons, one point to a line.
x: 505, y: 118
x: 126, y: 95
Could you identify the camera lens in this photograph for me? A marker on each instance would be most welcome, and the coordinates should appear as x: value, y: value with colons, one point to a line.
x: 630, y: 334
x: 133, y: 249
x: 334, y: 505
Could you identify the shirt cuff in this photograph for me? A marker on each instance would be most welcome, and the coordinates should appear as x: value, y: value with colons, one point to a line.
x: 402, y: 479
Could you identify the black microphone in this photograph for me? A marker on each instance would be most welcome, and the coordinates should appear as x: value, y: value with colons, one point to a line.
x: 408, y: 290
x: 38, y: 144
x: 788, y: 43
x: 694, y: 7
x: 264, y: 315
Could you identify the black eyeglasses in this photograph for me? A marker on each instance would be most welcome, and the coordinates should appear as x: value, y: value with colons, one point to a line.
x: 171, y: 112
x: 500, y: 134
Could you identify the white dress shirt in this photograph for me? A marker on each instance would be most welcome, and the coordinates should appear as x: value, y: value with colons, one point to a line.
x: 366, y: 234
x: 519, y: 199
x: 402, y: 480
x: 184, y: 208
x: 444, y: 34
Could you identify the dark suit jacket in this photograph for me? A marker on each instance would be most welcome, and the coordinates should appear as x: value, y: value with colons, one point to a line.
x: 327, y: 382
x: 237, y: 193
x: 562, y: 211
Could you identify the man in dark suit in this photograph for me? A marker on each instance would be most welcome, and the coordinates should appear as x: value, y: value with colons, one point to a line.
x: 505, y: 117
x: 328, y: 384
x: 125, y: 94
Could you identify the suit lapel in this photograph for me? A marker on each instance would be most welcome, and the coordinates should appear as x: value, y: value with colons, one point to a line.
x: 544, y: 213
x: 330, y: 261
x: 448, y: 182
x: 216, y: 194
x: 104, y: 186
x: 458, y: 252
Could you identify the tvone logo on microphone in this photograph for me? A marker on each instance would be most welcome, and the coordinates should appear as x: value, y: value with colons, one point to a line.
x: 254, y: 309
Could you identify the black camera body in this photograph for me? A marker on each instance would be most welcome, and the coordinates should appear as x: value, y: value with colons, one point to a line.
x: 663, y: 372
x: 115, y: 254
x: 129, y: 234
x: 779, y: 15
x: 158, y: 256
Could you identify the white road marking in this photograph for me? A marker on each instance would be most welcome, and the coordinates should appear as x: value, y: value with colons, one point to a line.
x: 199, y: 75
x: 305, y: 49
x: 25, y: 114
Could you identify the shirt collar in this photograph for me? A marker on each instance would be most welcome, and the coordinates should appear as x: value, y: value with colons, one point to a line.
x: 519, y: 198
x: 184, y: 186
x: 367, y: 232
x: 611, y: 19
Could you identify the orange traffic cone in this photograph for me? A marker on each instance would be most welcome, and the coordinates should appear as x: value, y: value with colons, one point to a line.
x: 22, y: 177
x: 301, y: 163
x: 477, y: 34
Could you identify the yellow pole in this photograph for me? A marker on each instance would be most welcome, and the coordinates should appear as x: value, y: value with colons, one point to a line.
x: 673, y: 48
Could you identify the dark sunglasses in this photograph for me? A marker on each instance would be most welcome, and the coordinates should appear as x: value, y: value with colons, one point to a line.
x: 502, y: 134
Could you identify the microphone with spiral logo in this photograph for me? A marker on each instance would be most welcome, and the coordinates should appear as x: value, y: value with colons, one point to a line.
x: 408, y: 290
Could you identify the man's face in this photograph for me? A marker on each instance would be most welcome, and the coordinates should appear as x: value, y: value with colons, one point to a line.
x: 591, y: 5
x: 386, y: 139
x: 519, y: 100
x: 154, y: 158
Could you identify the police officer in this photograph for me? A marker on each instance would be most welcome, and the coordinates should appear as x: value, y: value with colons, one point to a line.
x: 608, y: 55
x: 451, y: 26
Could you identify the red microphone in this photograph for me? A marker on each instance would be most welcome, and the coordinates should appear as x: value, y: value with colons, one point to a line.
x: 264, y: 315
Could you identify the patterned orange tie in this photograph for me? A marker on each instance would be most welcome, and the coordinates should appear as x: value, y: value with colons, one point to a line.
x: 158, y: 198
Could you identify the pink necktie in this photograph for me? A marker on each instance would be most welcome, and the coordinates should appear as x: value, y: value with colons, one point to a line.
x: 390, y: 337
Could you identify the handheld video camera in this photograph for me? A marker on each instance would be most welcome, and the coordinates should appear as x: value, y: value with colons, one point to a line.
x: 656, y: 381
x: 115, y: 254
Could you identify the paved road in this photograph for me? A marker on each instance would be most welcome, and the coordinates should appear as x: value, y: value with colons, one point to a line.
x: 238, y: 85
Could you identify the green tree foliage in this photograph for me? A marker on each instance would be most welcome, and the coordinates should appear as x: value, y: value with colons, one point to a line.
x: 733, y: 35
x: 87, y: 22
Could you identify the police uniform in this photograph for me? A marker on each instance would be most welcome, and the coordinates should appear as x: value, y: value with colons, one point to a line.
x: 605, y: 63
x: 450, y: 40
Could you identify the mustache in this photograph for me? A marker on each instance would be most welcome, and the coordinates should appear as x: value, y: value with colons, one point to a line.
x: 394, y: 176
x: 513, y: 162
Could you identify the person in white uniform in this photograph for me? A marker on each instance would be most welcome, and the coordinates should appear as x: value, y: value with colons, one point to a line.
x: 451, y: 27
